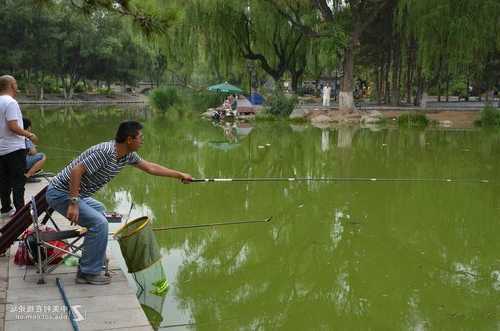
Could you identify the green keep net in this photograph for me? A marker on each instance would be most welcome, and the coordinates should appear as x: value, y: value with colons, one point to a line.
x: 152, y: 288
x: 142, y: 256
x: 138, y: 244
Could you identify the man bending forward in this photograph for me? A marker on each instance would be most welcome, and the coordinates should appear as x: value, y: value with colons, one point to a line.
x: 70, y: 193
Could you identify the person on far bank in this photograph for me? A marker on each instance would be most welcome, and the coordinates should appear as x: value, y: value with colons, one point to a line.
x: 326, y: 95
x: 34, y: 159
x: 12, y: 148
x: 70, y: 193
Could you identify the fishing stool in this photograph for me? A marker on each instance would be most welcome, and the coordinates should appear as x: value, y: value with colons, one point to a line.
x: 42, y: 242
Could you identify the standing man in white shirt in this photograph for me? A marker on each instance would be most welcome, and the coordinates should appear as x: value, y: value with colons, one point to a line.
x: 12, y: 147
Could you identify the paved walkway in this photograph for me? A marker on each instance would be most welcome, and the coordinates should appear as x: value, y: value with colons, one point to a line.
x: 25, y: 305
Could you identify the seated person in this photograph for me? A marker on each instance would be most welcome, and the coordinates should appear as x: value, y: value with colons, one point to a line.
x: 34, y: 159
x: 234, y: 104
x: 227, y: 104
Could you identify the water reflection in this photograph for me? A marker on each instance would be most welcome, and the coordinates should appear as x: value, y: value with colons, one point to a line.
x: 325, y: 140
x: 336, y: 255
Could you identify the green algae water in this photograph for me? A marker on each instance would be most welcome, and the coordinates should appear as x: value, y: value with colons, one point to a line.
x: 336, y: 255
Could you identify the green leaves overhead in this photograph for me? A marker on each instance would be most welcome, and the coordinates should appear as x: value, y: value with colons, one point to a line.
x: 465, y: 30
x: 151, y: 16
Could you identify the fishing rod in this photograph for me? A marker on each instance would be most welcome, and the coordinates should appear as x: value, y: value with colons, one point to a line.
x: 339, y: 179
x: 71, y: 315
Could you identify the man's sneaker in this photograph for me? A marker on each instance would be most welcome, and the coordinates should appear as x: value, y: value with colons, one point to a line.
x: 9, y: 213
x: 99, y: 279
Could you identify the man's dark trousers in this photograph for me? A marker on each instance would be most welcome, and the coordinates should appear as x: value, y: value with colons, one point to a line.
x: 12, y: 179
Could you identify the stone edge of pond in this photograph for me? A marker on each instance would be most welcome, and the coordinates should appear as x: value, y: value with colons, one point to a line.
x: 117, y: 305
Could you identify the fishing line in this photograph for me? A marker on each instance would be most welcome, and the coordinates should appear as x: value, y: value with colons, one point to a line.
x: 339, y: 179
x: 176, y: 227
x: 129, y: 212
x: 191, y: 226
x: 60, y: 149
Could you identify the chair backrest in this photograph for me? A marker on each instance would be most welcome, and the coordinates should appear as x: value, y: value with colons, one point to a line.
x: 21, y: 220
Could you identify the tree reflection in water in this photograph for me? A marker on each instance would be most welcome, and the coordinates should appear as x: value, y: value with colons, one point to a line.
x: 336, y: 255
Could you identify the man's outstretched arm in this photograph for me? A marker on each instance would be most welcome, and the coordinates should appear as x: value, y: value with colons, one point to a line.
x: 158, y: 170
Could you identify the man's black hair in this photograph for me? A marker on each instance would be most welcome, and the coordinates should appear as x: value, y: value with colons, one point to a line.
x: 127, y: 129
x: 26, y: 123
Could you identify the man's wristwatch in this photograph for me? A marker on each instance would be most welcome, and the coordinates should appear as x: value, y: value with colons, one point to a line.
x: 74, y: 200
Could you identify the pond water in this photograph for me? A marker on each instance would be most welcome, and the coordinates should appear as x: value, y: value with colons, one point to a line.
x: 336, y: 255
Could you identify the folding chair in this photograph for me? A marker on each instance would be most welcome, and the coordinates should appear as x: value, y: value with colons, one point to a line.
x: 21, y: 220
x: 42, y: 242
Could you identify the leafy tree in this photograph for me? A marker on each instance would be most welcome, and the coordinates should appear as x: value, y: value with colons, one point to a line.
x: 55, y: 42
x: 351, y: 16
x: 453, y: 38
x: 149, y: 15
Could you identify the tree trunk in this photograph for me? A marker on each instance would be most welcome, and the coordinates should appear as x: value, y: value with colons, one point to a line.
x: 400, y: 75
x: 382, y: 83
x: 295, y: 82
x: 408, y: 83
x: 41, y: 83
x: 447, y: 82
x: 28, y: 81
x: 296, y: 76
x: 440, y: 67
x: 387, y: 96
x: 418, y: 94
x: 65, y: 87
x: 489, y: 93
x: 411, y: 59
x: 467, y: 96
x: 346, y: 98
x: 395, y: 75
x: 379, y: 85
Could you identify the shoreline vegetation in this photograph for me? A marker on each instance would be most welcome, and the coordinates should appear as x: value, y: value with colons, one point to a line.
x: 82, y: 98
x: 451, y: 114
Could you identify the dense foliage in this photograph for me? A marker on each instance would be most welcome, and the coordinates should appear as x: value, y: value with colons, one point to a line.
x: 55, y: 48
x: 490, y: 116
x: 390, y: 50
x: 280, y: 104
x: 163, y: 98
x: 413, y: 120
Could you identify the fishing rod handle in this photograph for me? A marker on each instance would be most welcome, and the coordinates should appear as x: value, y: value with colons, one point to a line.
x: 205, y: 180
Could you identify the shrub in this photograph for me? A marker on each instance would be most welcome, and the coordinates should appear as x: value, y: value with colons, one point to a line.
x: 490, y: 116
x: 80, y: 87
x: 413, y: 120
x: 163, y: 98
x: 279, y: 104
x: 264, y: 116
x: 104, y: 91
x: 50, y: 86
